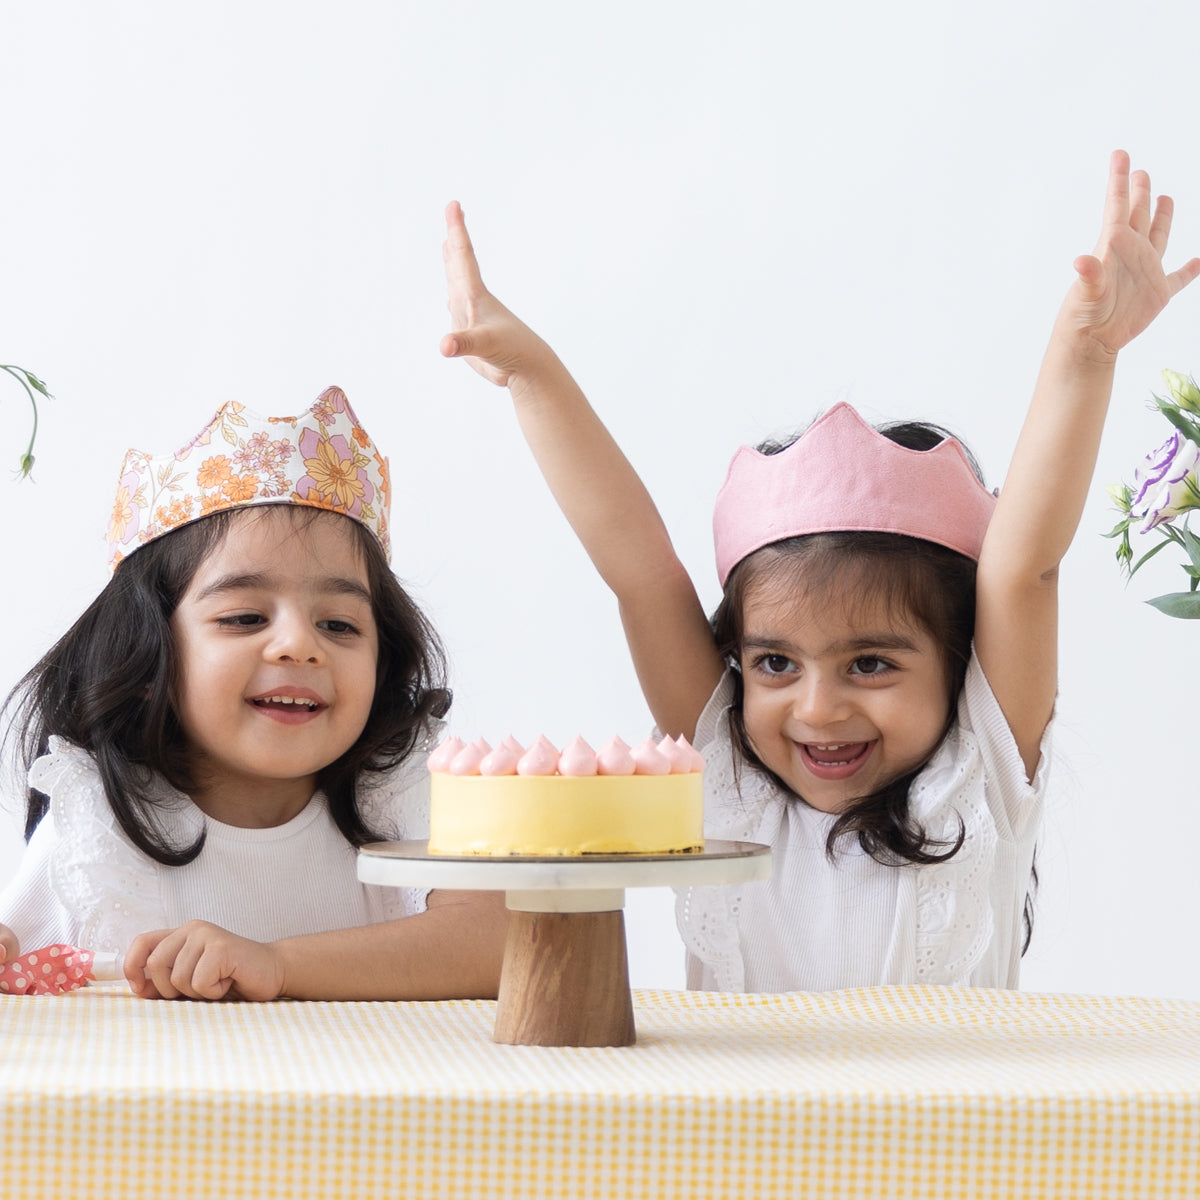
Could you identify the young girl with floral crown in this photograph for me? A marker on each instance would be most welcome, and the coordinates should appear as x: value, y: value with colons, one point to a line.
x: 247, y: 701
x: 874, y: 694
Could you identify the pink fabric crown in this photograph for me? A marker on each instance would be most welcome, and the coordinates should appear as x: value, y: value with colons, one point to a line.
x: 841, y: 474
x: 322, y: 458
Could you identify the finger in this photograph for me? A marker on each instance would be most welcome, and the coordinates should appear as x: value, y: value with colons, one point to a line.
x: 1090, y: 271
x: 137, y: 973
x: 208, y: 979
x: 1160, y: 229
x: 160, y: 964
x: 1178, y: 280
x: 1139, y: 202
x: 464, y: 343
x: 1116, y: 201
x: 186, y: 962
x: 457, y: 251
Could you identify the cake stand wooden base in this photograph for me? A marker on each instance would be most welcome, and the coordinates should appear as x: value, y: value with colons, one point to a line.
x: 565, y: 978
x: 565, y: 981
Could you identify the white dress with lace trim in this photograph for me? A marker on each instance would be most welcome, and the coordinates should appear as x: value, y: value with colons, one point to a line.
x: 83, y: 881
x: 854, y: 922
x: 98, y: 876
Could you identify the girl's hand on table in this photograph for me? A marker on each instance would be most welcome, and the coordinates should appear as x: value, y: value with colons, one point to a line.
x: 199, y: 961
x: 9, y: 946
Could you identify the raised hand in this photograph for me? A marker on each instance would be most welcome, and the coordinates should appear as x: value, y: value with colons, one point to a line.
x: 493, y: 341
x: 1122, y: 285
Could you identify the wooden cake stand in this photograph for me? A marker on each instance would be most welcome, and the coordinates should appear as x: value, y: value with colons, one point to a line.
x: 565, y: 978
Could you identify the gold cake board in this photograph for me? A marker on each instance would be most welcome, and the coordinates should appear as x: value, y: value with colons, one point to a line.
x: 565, y: 978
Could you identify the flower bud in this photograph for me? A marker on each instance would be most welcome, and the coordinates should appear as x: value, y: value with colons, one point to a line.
x: 1183, y: 390
x: 1120, y: 495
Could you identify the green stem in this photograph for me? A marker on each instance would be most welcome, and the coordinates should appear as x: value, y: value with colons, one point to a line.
x: 22, y: 377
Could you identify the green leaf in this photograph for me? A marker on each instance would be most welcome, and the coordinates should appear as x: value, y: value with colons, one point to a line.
x: 1191, y: 543
x: 37, y: 384
x: 1148, y: 556
x: 1185, y: 605
x: 1181, y: 421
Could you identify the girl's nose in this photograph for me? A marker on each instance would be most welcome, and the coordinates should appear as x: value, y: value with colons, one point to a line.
x: 819, y: 702
x: 294, y: 640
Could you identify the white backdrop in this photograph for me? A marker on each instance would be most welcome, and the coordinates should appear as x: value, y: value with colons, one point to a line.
x: 724, y: 217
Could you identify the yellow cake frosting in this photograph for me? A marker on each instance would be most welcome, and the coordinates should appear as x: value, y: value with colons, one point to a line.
x: 554, y: 814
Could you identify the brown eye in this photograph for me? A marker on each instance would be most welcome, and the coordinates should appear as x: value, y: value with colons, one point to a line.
x: 869, y: 665
x: 242, y: 621
x: 774, y: 664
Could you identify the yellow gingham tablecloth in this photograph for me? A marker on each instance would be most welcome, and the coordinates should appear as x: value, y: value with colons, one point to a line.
x: 881, y: 1092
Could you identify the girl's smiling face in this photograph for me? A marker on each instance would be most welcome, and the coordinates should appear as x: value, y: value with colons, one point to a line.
x: 837, y: 704
x: 277, y: 653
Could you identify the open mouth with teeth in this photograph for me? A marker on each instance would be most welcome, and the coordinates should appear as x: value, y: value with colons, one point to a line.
x: 834, y: 760
x: 286, y: 704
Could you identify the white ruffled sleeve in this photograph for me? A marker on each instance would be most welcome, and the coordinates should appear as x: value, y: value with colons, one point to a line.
x: 966, y: 905
x: 955, y: 922
x: 396, y: 805
x: 99, y: 891
x: 737, y: 808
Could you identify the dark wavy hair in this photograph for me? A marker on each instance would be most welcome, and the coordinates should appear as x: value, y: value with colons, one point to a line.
x: 918, y: 581
x: 107, y: 686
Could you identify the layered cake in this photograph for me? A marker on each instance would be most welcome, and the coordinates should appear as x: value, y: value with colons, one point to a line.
x: 540, y: 802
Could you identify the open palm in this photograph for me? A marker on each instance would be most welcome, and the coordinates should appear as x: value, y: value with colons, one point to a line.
x: 1122, y: 284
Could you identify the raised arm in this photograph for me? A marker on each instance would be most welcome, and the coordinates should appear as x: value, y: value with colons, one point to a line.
x: 598, y: 491
x: 1120, y: 288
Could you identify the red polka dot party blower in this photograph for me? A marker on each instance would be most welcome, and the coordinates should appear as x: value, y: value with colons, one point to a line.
x: 53, y: 970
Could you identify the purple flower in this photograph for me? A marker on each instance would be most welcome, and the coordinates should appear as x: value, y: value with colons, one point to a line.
x: 1166, y: 483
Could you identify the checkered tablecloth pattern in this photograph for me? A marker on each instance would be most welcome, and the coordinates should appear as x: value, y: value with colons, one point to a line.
x: 883, y: 1092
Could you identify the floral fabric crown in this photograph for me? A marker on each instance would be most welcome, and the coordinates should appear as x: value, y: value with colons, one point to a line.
x: 322, y: 458
x: 841, y: 474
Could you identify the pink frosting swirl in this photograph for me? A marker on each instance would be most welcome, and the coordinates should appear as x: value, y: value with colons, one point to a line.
x: 614, y: 759
x: 540, y: 759
x: 649, y: 759
x: 676, y: 755
x: 443, y: 754
x: 503, y: 760
x: 467, y: 760
x: 697, y: 759
x: 578, y: 759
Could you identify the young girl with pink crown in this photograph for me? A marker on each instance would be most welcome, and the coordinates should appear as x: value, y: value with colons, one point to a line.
x: 874, y: 694
x: 248, y: 700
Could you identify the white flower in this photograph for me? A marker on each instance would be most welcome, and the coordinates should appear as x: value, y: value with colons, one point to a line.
x: 1167, y: 483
